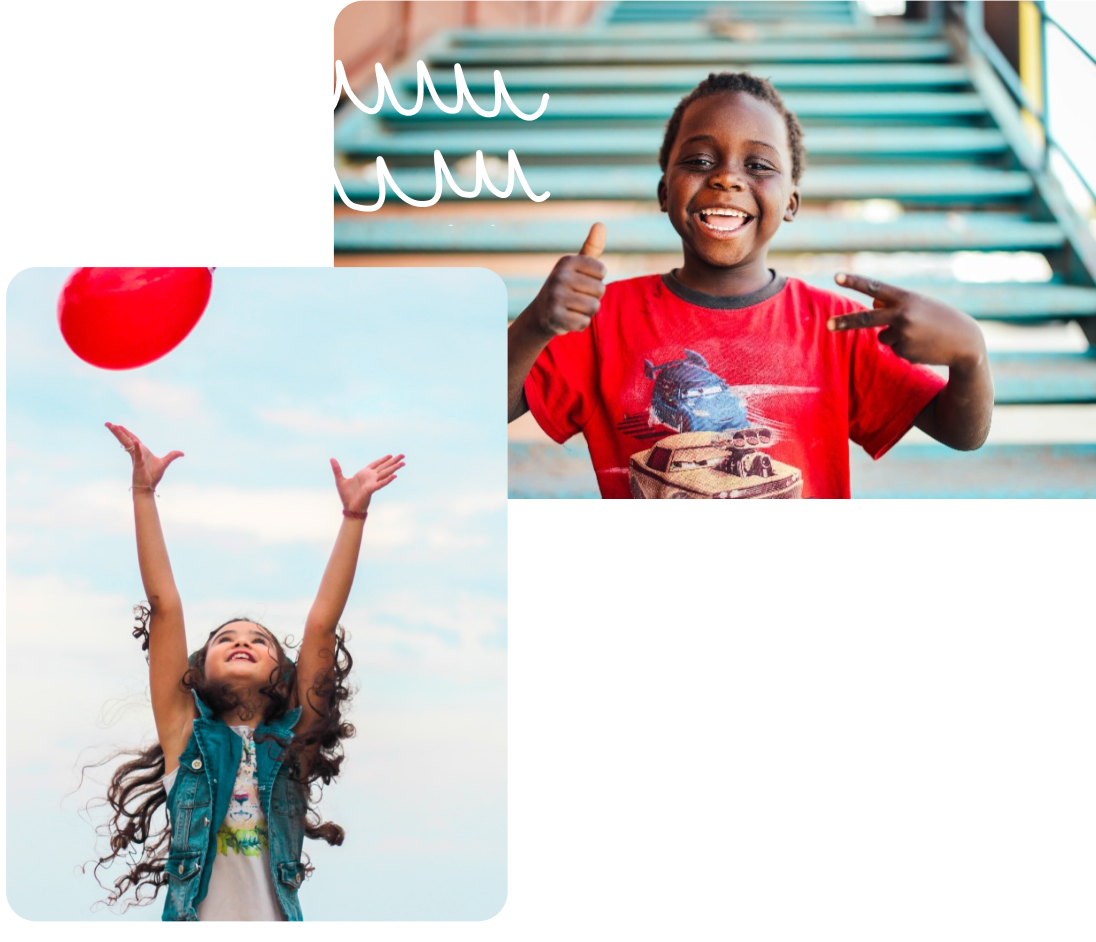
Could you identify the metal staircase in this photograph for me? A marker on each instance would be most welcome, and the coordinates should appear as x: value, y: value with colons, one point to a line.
x: 919, y: 171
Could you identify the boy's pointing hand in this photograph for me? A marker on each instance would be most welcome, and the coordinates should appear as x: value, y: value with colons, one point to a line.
x: 915, y: 327
x: 572, y: 294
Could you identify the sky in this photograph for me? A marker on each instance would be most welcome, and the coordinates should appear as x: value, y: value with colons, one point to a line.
x: 286, y: 369
x: 1068, y: 73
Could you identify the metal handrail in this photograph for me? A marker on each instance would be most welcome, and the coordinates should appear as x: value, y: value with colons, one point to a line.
x: 976, y: 33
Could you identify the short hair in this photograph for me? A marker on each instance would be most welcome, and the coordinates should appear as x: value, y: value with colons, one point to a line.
x: 759, y: 88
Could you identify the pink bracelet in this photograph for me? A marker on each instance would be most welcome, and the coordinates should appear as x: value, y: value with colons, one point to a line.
x: 355, y: 514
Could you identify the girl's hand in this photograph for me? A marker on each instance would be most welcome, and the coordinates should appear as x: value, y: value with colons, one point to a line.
x: 356, y: 491
x: 917, y: 328
x: 147, y: 468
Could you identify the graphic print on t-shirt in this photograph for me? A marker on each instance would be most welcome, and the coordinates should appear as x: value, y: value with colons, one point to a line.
x: 722, y: 431
x: 244, y: 828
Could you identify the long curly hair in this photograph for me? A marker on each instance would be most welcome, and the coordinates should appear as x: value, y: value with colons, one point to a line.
x: 140, y: 837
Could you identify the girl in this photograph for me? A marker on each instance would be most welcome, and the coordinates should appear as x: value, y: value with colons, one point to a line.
x: 242, y: 731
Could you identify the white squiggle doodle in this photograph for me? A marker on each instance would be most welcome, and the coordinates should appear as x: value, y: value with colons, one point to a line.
x: 513, y: 169
x: 424, y: 81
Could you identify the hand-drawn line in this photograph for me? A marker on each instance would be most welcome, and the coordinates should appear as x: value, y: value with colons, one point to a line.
x: 424, y: 81
x: 513, y: 169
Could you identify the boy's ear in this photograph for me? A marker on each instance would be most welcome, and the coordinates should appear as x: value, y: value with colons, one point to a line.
x: 793, y: 205
x: 662, y: 193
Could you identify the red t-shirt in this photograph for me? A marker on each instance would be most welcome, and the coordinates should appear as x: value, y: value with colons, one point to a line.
x: 681, y: 394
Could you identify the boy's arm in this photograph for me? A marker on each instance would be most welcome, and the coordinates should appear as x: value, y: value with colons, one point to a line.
x: 922, y: 330
x: 960, y: 414
x: 567, y: 301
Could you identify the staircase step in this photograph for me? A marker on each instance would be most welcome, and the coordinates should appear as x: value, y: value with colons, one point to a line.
x: 932, y: 183
x: 631, y: 107
x: 653, y: 11
x: 679, y: 31
x: 649, y: 233
x: 1038, y: 378
x: 682, y: 79
x: 359, y: 135
x: 713, y: 55
x: 1011, y: 301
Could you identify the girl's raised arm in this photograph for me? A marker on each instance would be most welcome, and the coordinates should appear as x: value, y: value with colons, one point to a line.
x: 317, y: 655
x: 172, y: 704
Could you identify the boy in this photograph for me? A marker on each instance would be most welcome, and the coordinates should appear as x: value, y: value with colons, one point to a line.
x: 726, y: 623
x: 722, y: 378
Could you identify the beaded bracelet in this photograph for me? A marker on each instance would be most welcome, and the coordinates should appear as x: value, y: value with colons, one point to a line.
x: 354, y: 514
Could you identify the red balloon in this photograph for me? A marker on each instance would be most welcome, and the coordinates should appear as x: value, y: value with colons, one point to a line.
x: 121, y: 318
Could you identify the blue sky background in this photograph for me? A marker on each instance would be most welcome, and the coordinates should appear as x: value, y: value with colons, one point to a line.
x: 287, y: 368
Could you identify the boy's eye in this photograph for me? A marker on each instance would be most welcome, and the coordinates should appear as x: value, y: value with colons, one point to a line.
x: 697, y: 161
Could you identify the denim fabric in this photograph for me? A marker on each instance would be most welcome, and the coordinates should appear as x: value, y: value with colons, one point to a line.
x: 199, y: 801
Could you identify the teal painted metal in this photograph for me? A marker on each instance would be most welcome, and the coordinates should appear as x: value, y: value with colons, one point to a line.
x: 923, y: 232
x: 1036, y: 378
x: 911, y: 183
x: 360, y: 137
x: 714, y: 54
x: 690, y: 31
x: 648, y: 106
x: 597, y: 78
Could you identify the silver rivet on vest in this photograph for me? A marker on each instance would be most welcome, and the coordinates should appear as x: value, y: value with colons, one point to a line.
x: 207, y: 822
x: 196, y: 764
x: 180, y: 868
x: 298, y: 878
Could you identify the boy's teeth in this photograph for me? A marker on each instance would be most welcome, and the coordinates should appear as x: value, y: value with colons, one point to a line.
x: 740, y: 219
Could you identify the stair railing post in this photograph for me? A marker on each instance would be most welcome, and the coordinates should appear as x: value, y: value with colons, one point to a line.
x: 974, y: 17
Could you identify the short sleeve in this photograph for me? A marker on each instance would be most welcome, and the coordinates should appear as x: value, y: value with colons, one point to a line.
x: 886, y: 393
x: 560, y: 386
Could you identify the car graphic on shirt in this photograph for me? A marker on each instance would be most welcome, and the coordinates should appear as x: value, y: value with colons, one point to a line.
x: 713, y: 465
x: 688, y: 397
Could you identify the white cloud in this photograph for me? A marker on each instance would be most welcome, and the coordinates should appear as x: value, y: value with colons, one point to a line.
x: 473, y: 503
x: 165, y: 399
x: 264, y: 515
x: 311, y: 422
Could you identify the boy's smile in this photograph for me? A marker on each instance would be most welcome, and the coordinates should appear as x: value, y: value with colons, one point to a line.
x: 726, y: 189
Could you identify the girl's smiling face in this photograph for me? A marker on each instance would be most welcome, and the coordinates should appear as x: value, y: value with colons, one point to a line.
x: 727, y: 188
x: 241, y: 652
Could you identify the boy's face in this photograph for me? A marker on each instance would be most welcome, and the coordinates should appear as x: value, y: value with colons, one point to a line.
x: 731, y: 155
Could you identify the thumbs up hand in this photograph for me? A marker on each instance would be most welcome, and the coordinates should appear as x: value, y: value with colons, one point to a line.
x: 571, y: 295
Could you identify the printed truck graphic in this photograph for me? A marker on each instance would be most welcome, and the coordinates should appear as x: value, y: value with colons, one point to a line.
x: 713, y: 465
x: 688, y: 397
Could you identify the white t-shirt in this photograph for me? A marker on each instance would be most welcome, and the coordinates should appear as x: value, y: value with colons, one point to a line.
x: 241, y: 886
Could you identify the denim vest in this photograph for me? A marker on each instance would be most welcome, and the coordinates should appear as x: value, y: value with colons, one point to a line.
x: 199, y: 801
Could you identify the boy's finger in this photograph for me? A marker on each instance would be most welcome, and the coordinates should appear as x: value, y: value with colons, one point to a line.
x: 171, y: 456
x: 583, y: 304
x: 585, y: 283
x: 337, y: 469
x: 876, y: 317
x: 595, y: 241
x: 877, y: 289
